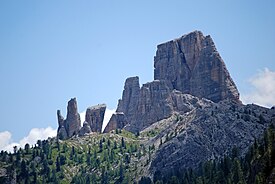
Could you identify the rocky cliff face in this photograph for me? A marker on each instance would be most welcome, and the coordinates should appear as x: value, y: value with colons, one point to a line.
x: 208, y: 132
x: 95, y: 116
x: 71, y: 126
x: 193, y: 65
x: 152, y: 105
x: 188, y: 65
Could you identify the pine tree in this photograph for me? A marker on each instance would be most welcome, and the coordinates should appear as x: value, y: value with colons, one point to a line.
x: 57, y: 164
x: 237, y: 173
x: 27, y: 148
x: 123, y: 143
x: 100, y: 146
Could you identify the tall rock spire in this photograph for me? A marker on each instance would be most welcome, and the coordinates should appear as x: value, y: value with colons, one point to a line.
x: 71, y: 125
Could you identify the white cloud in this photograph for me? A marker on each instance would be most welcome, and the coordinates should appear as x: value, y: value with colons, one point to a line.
x: 38, y: 134
x: 82, y: 117
x: 107, y: 117
x: 34, y: 135
x: 5, y: 139
x: 263, y: 89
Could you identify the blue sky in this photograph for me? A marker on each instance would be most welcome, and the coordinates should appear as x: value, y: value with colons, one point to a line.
x: 51, y: 51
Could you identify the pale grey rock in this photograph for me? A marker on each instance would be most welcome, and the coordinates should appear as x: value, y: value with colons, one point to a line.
x: 95, y: 116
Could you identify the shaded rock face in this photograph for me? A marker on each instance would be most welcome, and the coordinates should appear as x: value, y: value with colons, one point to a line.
x: 71, y: 126
x: 95, y: 116
x: 86, y: 129
x: 209, y: 132
x: 193, y: 65
x: 117, y: 121
x: 61, y: 131
x: 128, y: 103
x: 152, y: 105
x: 156, y: 101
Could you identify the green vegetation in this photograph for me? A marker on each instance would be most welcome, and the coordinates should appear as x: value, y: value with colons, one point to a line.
x: 123, y: 157
x: 97, y: 158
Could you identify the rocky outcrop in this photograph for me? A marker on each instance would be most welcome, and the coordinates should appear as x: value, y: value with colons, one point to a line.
x: 95, y: 116
x: 117, y: 121
x: 86, y: 129
x: 156, y: 101
x: 193, y: 65
x: 71, y: 126
x: 128, y: 103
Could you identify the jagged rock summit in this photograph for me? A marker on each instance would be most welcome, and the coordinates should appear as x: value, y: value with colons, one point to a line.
x: 190, y: 65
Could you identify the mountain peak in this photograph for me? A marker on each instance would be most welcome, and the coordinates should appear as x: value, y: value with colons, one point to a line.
x: 191, y: 64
